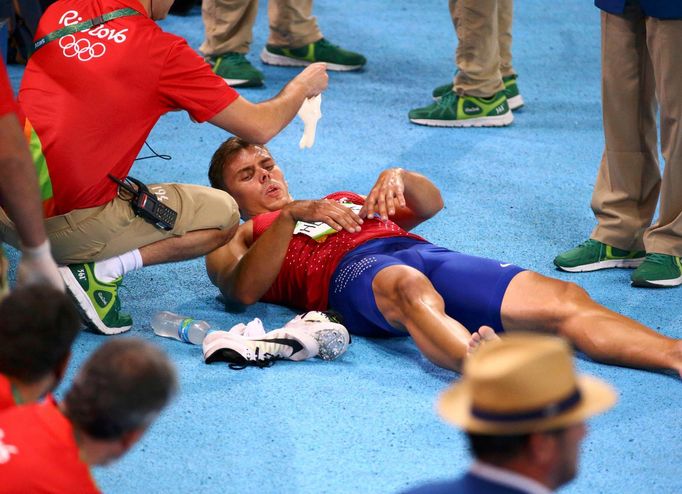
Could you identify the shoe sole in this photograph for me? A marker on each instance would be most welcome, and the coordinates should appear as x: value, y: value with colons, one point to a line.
x: 514, y: 102
x: 282, y: 61
x: 84, y: 305
x: 497, y: 121
x: 596, y: 266
x: 658, y: 283
x: 243, y: 82
x: 333, y: 344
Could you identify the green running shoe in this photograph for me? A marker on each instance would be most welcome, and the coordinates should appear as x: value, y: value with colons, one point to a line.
x: 335, y: 57
x: 511, y: 91
x: 464, y: 111
x: 658, y: 271
x: 236, y: 70
x: 98, y: 301
x: 592, y: 255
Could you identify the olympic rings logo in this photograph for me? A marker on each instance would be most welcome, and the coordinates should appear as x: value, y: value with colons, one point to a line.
x: 81, y: 48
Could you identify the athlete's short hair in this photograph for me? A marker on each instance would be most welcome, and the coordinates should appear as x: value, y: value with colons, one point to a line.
x: 38, y: 325
x: 122, y: 387
x: 222, y: 157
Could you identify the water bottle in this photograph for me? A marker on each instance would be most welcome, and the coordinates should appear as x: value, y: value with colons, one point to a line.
x: 170, y: 325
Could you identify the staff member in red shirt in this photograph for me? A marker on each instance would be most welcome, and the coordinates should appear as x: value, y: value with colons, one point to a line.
x: 117, y: 394
x: 20, y: 199
x: 91, y: 97
x: 37, y: 328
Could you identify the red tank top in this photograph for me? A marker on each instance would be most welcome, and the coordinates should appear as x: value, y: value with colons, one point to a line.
x: 303, y: 281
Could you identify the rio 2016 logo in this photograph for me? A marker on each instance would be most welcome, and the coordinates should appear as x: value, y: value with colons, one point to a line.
x: 83, y: 48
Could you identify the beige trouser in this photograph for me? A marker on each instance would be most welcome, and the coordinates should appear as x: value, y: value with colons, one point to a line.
x: 484, y: 38
x: 229, y: 24
x: 641, y: 64
x: 98, y: 233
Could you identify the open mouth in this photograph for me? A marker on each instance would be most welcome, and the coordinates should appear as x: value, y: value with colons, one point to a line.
x: 272, y: 190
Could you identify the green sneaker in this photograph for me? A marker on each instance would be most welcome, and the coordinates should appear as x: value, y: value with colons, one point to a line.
x: 464, y: 111
x: 658, y: 271
x: 592, y: 255
x: 236, y: 70
x: 98, y: 301
x: 511, y: 91
x: 335, y: 57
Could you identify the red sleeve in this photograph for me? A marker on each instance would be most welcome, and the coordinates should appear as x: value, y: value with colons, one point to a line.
x: 7, y: 103
x: 187, y: 82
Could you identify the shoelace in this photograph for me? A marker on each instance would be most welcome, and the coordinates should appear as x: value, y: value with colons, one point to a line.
x: 267, y: 361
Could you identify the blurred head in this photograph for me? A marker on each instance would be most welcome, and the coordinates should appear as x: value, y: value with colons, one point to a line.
x: 118, y: 393
x: 523, y: 407
x: 37, y: 328
x: 250, y: 175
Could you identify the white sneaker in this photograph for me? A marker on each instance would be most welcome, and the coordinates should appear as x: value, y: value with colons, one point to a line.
x: 261, y: 351
x: 332, y: 338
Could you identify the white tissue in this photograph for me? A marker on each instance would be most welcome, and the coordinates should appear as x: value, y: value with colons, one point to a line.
x: 310, y: 113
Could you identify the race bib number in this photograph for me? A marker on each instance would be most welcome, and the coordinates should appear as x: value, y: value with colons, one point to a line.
x: 317, y: 230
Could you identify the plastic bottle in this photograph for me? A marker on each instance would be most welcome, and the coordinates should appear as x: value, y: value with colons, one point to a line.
x: 170, y: 325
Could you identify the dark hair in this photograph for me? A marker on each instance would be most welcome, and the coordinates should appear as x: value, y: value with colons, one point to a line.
x: 123, y: 385
x: 222, y: 157
x: 499, y: 449
x: 496, y: 449
x: 37, y: 328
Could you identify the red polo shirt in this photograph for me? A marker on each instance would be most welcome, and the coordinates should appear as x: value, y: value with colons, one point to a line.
x: 7, y: 104
x: 6, y: 396
x: 91, y: 98
x: 38, y: 453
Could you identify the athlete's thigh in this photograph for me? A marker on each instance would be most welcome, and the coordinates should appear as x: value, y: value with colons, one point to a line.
x: 472, y: 287
x: 351, y: 294
x: 533, y: 302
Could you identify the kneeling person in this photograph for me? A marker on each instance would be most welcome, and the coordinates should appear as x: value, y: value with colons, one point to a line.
x: 355, y: 255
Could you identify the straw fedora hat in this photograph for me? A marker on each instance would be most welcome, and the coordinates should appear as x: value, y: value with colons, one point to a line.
x: 523, y: 383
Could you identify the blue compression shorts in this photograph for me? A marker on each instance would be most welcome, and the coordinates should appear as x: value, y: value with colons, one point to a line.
x: 472, y: 287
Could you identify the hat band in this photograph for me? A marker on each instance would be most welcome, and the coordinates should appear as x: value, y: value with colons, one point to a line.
x: 551, y: 410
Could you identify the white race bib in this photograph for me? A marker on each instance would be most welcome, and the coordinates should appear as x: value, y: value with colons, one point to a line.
x: 317, y: 230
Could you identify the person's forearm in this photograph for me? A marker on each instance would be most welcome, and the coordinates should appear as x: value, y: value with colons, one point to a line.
x: 421, y: 195
x: 257, y: 270
x: 19, y: 194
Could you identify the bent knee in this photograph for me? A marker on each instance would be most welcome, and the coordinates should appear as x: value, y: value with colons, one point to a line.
x: 229, y: 217
x: 407, y: 289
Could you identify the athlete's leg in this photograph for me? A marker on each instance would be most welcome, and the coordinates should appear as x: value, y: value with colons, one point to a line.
x: 534, y: 302
x: 408, y: 301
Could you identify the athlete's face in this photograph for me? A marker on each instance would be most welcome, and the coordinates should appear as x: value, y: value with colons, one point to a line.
x: 256, y: 182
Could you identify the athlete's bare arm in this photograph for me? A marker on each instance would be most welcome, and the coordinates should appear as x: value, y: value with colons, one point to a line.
x: 259, y: 122
x: 406, y: 197
x: 244, y: 270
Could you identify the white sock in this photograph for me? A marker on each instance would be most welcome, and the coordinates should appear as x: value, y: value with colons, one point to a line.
x: 115, y: 267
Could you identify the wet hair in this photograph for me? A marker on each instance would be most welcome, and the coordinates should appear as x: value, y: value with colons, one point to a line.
x: 222, y: 156
x: 122, y: 387
x: 37, y: 328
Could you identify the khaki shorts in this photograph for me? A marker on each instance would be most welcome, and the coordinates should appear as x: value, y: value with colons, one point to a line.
x: 98, y: 233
